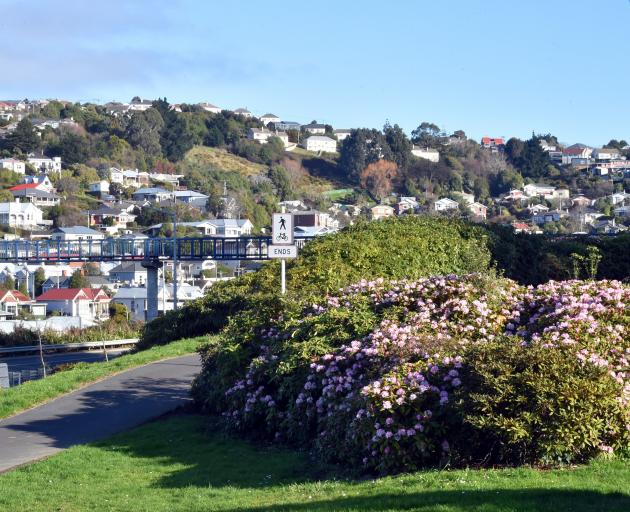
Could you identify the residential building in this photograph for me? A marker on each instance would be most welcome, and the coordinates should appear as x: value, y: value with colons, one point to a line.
x: 153, y: 194
x: 342, y: 134
x: 284, y: 126
x: 14, y: 304
x: 86, y: 303
x: 209, y: 107
x: 430, y: 154
x: 135, y: 299
x: 191, y: 197
x: 46, y: 165
x: 465, y: 197
x: 99, y: 188
x: 606, y: 154
x: 445, y: 204
x: 575, y: 153
x: 539, y: 190
x: 315, y: 128
x: 75, y: 234
x: 269, y: 118
x: 172, y: 179
x: 619, y: 198
x: 314, y: 218
x: 493, y: 143
x: 537, y: 208
x: 31, y: 194
x: 381, y: 211
x: 131, y: 272
x: 292, y: 206
x: 479, y: 211
x: 320, y: 143
x: 406, y: 204
x: 111, y: 218
x: 41, y: 180
x: 242, y: 112
x: 546, y: 217
x: 514, y: 195
x: 22, y: 215
x: 138, y: 104
x: 262, y: 135
x: 232, y: 227
x: 13, y: 164
x: 581, y: 201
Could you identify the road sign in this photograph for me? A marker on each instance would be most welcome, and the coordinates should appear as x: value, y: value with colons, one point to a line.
x: 282, y: 251
x: 282, y: 229
x: 4, y: 375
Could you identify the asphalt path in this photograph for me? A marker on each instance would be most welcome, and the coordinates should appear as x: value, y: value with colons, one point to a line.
x: 33, y: 362
x: 97, y: 411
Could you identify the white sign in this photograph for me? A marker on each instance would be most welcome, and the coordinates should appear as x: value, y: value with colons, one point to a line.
x: 282, y: 251
x: 282, y: 229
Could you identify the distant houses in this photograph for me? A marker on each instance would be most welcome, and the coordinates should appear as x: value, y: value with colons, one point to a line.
x: 86, y: 303
x: 22, y: 216
x: 13, y: 165
x: 320, y: 143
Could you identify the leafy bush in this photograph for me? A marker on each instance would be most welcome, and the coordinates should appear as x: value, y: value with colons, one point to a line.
x: 394, y: 375
x: 395, y: 248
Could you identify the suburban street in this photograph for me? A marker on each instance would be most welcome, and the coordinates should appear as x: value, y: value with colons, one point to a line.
x: 32, y: 361
x: 97, y: 411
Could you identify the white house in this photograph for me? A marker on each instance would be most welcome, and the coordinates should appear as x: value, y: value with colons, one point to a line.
x: 13, y: 164
x: 140, y: 105
x: 407, y: 203
x: 342, y: 134
x: 232, y: 227
x: 315, y: 128
x: 430, y: 154
x: 46, y: 165
x: 41, y: 181
x: 606, y: 154
x: 242, y: 112
x: 191, y: 197
x: 135, y: 299
x: 99, y: 187
x: 381, y: 211
x: 209, y: 107
x: 317, y: 143
x: 153, y: 194
x: 269, y: 118
x: 262, y: 136
x: 21, y: 215
x: 87, y: 303
x: 539, y: 189
x: 445, y: 204
x: 75, y: 234
x: 479, y: 211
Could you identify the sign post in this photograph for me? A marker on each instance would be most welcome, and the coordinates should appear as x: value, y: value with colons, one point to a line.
x: 282, y: 243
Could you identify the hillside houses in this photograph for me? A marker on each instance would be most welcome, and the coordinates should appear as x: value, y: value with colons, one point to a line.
x: 320, y: 143
x: 46, y: 165
x: 22, y: 216
x: 13, y: 165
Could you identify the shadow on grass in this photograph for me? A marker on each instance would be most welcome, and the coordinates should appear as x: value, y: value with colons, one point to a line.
x: 491, y: 500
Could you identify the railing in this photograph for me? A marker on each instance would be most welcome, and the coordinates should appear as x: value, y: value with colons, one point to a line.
x: 68, y: 347
x: 121, y: 249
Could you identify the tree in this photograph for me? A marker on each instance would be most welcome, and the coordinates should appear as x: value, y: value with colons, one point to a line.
x: 360, y: 149
x: 398, y: 143
x: 379, y: 177
x: 92, y: 269
x: 6, y: 196
x: 23, y: 288
x: 143, y: 131
x: 40, y: 277
x: 280, y: 179
x: 72, y: 148
x: 24, y: 138
x: 8, y: 283
x: 427, y: 135
x: 78, y: 280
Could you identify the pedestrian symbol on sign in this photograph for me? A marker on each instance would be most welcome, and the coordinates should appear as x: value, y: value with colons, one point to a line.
x: 282, y: 229
x: 283, y: 223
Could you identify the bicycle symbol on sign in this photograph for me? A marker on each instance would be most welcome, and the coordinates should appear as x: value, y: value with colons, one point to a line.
x: 283, y: 236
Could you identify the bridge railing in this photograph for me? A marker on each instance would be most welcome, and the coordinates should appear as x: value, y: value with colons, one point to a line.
x: 121, y: 249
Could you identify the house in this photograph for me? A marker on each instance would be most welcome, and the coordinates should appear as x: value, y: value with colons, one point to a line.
x: 269, y: 118
x: 465, y: 197
x: 86, y: 303
x: 537, y: 208
x: 320, y: 143
x: 314, y: 218
x: 15, y: 304
x: 209, y: 107
x: 406, y: 204
x: 243, y: 112
x: 22, y: 215
x: 312, y: 231
x: 315, y: 128
x: 14, y: 165
x: 46, y: 165
x: 293, y: 205
x: 561, y: 194
x: 75, y: 234
x: 479, y: 211
x: 99, y: 188
x: 608, y: 227
x: 445, y: 204
x: 539, y: 190
x: 342, y: 134
x: 622, y: 211
x: 41, y: 180
x: 494, y: 144
x: 523, y: 227
x: 31, y: 194
x: 581, y: 201
x: 546, y: 217
x: 547, y: 146
x: 140, y: 105
x: 135, y: 178
x: 131, y: 272
x: 619, y: 198
x: 232, y: 227
x: 191, y: 197
x: 513, y: 195
x: 172, y: 179
x: 430, y: 154
x: 53, y: 282
x: 111, y: 217
x: 204, y: 227
x: 381, y: 211
x: 606, y: 154
x: 262, y: 135
x: 153, y: 194
x: 135, y: 299
x: 576, y: 154
x: 285, y: 126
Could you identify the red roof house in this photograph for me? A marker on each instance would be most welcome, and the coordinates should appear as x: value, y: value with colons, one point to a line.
x: 87, y: 303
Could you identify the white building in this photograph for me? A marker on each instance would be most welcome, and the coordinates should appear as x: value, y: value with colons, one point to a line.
x: 243, y: 112
x: 41, y: 180
x: 87, y: 303
x: 430, y: 154
x: 317, y: 143
x: 342, y: 134
x: 209, y: 107
x: 76, y: 233
x: 99, y: 187
x: 21, y: 215
x: 46, y: 165
x: 539, y: 189
x: 269, y: 118
x: 445, y: 204
x: 315, y: 128
x: 262, y: 136
x: 12, y: 164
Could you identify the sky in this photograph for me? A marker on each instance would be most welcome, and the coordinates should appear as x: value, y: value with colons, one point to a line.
x: 497, y: 68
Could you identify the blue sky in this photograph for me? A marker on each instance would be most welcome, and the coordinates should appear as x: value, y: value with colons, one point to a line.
x: 496, y: 68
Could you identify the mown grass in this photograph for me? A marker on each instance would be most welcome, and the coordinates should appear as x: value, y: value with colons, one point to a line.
x: 32, y: 393
x: 178, y: 464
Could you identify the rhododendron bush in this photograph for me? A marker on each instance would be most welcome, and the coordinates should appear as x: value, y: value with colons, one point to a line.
x: 391, y: 376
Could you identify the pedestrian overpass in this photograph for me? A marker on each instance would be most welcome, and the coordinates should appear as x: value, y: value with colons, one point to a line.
x: 151, y: 252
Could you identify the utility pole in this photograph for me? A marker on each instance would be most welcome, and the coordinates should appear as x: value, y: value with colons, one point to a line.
x: 175, y: 260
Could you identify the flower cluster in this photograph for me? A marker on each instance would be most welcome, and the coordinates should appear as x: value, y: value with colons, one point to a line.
x: 385, y: 400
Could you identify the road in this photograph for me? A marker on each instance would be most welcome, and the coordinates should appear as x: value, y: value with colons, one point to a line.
x: 97, y: 411
x: 32, y: 362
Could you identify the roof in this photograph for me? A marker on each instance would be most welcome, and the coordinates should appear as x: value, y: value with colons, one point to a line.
x: 151, y: 190
x: 270, y: 115
x: 314, y: 125
x: 65, y: 294
x: 77, y: 230
x: 25, y: 186
x: 17, y: 296
x: 58, y: 280
x: 488, y: 140
x: 242, y: 111
x: 128, y: 266
x: 320, y: 138
x: 188, y: 193
x: 33, y: 192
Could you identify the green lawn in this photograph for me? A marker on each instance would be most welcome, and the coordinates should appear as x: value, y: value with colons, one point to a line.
x: 29, y: 394
x: 177, y: 464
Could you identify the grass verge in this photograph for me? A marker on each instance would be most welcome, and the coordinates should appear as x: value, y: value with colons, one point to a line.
x: 177, y: 464
x: 32, y: 393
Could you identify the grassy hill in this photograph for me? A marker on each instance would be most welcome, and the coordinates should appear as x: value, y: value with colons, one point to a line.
x: 202, y: 157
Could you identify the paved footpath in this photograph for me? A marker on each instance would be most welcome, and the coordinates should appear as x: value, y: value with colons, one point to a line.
x: 97, y: 411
